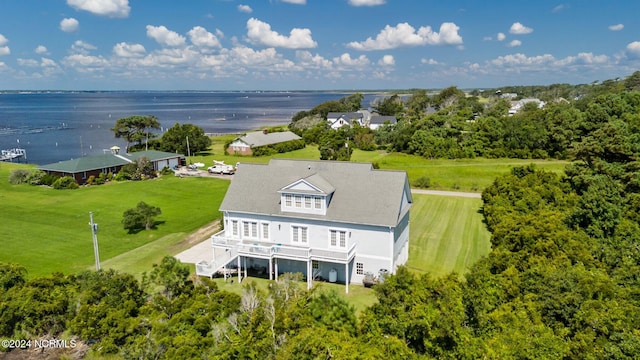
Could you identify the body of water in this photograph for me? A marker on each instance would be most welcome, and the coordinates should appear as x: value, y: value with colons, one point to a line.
x: 55, y: 127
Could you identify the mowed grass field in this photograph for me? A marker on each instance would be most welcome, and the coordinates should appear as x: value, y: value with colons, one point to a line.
x: 48, y: 230
x: 471, y: 175
x: 447, y: 234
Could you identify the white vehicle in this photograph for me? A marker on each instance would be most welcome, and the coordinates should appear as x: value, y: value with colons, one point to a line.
x: 220, y: 167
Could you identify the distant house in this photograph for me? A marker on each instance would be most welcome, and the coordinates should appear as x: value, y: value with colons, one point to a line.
x: 379, y: 120
x: 331, y: 220
x: 84, y: 167
x: 337, y: 120
x: 516, y: 106
x: 244, y: 145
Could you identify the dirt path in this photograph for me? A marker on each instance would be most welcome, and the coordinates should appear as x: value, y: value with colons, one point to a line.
x: 447, y: 193
x: 201, y: 234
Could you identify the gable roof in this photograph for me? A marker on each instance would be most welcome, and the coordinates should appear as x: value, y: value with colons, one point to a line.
x: 259, y: 138
x: 345, y: 115
x: 104, y: 161
x: 360, y: 194
x: 381, y: 119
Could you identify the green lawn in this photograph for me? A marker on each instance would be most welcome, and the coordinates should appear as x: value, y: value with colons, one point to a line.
x: 447, y: 234
x: 47, y: 230
x: 459, y: 174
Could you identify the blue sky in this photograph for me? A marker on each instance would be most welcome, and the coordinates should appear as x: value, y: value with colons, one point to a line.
x: 313, y: 44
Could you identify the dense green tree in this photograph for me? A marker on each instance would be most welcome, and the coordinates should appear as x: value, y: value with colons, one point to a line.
x: 139, y: 169
x: 184, y: 139
x: 334, y: 145
x: 392, y: 105
x: 141, y: 217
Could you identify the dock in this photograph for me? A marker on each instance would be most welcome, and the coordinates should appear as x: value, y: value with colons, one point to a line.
x: 13, y: 154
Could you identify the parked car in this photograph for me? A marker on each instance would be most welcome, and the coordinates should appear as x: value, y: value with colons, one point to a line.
x: 221, y: 169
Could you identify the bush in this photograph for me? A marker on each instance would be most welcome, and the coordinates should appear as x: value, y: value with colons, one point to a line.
x: 65, y: 183
x: 282, y: 147
x: 422, y: 182
x: 36, y: 177
x: 19, y: 176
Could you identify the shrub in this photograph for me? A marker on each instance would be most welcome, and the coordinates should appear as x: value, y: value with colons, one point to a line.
x: 19, y: 176
x: 422, y: 182
x: 64, y: 183
x: 36, y: 177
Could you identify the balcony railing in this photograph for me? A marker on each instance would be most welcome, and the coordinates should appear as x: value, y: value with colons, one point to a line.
x: 270, y: 250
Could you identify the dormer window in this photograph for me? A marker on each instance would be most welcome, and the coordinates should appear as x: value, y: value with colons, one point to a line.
x: 310, y: 195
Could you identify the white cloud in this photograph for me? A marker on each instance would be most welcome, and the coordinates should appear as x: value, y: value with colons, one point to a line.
x: 297, y: 2
x: 501, y: 36
x: 560, y: 8
x: 3, y: 40
x: 245, y: 9
x: 429, y: 61
x: 69, y: 25
x: 308, y: 60
x: 110, y: 8
x: 519, y: 29
x: 45, y: 62
x: 165, y: 36
x: 634, y: 48
x: 366, y: 2
x: 200, y: 37
x: 514, y: 43
x: 616, y: 27
x: 28, y: 62
x: 81, y: 47
x: 259, y: 32
x: 4, y: 50
x: 387, y: 60
x: 41, y: 49
x: 127, y: 50
x: 346, y: 60
x: 404, y: 34
x: 85, y: 63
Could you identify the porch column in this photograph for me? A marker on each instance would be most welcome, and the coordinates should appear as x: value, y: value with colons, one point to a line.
x: 246, y: 273
x: 270, y: 268
x: 346, y: 282
x: 276, y: 270
x: 239, y: 269
x: 309, y: 275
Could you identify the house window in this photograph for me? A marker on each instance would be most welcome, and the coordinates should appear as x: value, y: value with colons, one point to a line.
x: 307, y: 202
x: 318, y: 202
x: 250, y: 229
x: 265, y: 231
x: 314, y: 264
x: 234, y: 227
x: 359, y: 269
x: 298, y: 201
x: 338, y: 238
x: 287, y: 200
x: 299, y: 234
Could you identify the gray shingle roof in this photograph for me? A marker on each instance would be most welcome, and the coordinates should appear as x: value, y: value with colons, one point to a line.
x: 258, y: 138
x: 362, y: 194
x: 380, y: 119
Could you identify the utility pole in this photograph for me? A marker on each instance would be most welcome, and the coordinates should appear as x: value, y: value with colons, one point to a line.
x: 94, y: 231
x: 188, y: 150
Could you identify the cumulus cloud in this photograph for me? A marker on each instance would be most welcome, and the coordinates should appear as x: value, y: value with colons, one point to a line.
x: 560, y: 8
x: 403, y: 34
x: 297, y: 2
x: 616, y: 27
x: 519, y: 29
x: 366, y: 2
x: 85, y: 63
x: 164, y: 36
x: 346, y: 60
x: 110, y: 8
x: 200, y: 37
x: 259, y: 32
x: 514, y: 43
x: 387, y: 60
x: 127, y: 50
x: 245, y: 9
x: 308, y: 60
x: 501, y: 36
x: 429, y: 61
x: 633, y: 48
x: 4, y: 50
x: 3, y: 40
x: 81, y: 47
x: 69, y: 25
x: 41, y: 49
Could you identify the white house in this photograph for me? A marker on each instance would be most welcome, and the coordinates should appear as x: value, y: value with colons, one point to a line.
x: 516, y: 106
x: 379, y: 120
x: 326, y: 219
x: 337, y: 120
x: 245, y: 144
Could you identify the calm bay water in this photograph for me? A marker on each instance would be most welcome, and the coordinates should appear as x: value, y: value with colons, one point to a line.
x: 61, y: 126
